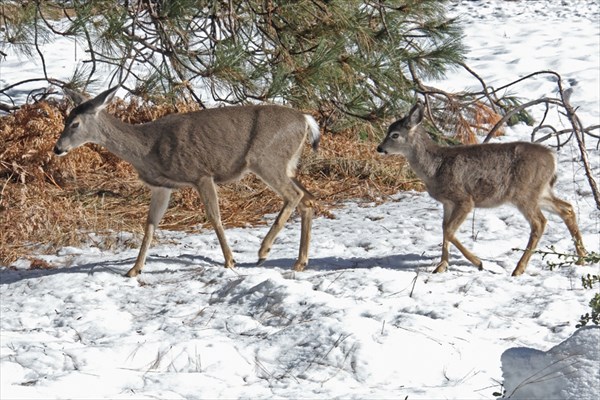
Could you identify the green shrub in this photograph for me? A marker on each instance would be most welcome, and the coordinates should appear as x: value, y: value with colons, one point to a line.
x: 594, y: 316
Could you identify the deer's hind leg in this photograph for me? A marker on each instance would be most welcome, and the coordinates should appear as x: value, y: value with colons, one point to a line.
x: 158, y: 205
x: 537, y: 222
x: 565, y: 211
x: 305, y: 207
x: 454, y: 216
x: 292, y: 196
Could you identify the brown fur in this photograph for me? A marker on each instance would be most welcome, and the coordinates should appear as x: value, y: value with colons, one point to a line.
x: 482, y: 175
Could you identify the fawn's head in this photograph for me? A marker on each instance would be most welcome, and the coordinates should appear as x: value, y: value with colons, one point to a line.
x: 397, y: 140
x: 82, y: 124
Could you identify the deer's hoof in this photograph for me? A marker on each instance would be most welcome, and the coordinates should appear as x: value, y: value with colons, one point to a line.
x: 441, y: 267
x: 263, y: 253
x: 132, y: 273
x: 260, y: 262
x: 299, y: 266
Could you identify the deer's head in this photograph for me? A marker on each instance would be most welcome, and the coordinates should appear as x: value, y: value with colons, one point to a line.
x: 399, y: 134
x: 82, y: 124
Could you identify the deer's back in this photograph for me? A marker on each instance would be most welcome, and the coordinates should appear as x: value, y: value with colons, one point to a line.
x: 222, y: 143
x: 492, y: 174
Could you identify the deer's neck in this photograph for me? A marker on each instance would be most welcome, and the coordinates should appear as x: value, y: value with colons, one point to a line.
x: 424, y: 157
x: 126, y: 141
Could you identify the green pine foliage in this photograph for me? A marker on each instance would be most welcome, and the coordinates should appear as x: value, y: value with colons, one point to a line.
x: 350, y: 60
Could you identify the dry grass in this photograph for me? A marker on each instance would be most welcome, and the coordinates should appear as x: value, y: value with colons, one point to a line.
x: 48, y: 202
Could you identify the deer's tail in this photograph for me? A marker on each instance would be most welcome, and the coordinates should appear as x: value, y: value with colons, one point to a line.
x: 313, y: 131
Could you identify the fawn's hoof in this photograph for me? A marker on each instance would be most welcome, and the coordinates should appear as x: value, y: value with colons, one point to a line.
x: 260, y: 262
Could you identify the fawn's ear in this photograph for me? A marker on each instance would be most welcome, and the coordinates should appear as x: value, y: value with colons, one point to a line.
x: 101, y: 101
x: 415, y: 115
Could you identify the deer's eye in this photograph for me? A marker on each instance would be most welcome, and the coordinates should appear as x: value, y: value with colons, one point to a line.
x: 395, y: 136
x: 75, y: 125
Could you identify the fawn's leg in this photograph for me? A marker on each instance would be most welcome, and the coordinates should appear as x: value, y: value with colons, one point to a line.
x: 454, y: 216
x: 537, y: 222
x: 158, y: 205
x: 566, y: 212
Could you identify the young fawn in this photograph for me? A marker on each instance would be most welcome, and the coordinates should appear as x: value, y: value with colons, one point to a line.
x: 482, y: 175
x: 199, y: 149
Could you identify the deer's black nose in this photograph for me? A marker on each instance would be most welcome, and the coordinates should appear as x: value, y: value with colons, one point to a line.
x: 381, y: 150
x: 58, y: 151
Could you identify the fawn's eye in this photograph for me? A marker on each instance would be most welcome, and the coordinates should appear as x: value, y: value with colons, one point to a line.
x: 395, y: 136
x: 75, y: 125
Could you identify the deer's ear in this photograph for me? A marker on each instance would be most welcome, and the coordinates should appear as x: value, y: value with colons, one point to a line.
x: 76, y: 97
x: 101, y: 101
x: 415, y: 115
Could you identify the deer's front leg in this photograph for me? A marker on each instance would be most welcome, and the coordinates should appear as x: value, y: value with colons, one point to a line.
x: 158, y: 205
x: 208, y: 193
x: 454, y: 215
x: 443, y: 264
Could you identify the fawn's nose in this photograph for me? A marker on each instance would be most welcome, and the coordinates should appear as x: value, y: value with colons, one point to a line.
x: 381, y: 150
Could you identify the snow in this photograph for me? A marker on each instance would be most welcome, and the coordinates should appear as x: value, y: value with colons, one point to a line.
x: 567, y: 370
x: 366, y: 319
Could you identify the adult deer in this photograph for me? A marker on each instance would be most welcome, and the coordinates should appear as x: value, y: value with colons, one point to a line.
x: 482, y: 175
x: 199, y: 149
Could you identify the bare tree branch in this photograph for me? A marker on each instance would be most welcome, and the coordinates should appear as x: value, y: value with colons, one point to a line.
x: 578, y: 130
x: 514, y: 111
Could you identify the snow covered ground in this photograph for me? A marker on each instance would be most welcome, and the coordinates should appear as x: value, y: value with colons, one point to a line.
x: 366, y: 319
x: 566, y: 371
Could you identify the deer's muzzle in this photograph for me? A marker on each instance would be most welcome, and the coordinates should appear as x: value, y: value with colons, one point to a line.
x: 60, y: 152
x: 381, y: 150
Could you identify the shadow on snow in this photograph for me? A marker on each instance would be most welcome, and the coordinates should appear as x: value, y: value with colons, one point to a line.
x: 188, y: 263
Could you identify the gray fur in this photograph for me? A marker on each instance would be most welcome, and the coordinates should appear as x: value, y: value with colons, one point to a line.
x: 199, y: 149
